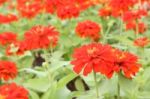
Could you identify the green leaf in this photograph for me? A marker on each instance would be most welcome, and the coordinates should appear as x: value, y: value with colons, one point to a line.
x: 79, y: 84
x: 128, y: 87
x: 144, y: 95
x: 38, y: 84
x: 50, y: 94
x: 33, y: 71
x: 33, y: 95
x: 62, y: 82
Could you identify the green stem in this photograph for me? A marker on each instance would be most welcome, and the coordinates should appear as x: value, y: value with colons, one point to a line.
x: 121, y: 25
x: 106, y: 34
x: 118, y: 89
x: 137, y: 29
x: 96, y: 85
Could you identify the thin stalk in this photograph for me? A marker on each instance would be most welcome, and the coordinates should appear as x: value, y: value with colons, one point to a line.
x: 96, y: 85
x: 121, y: 24
x: 137, y: 29
x: 118, y: 89
x: 106, y: 34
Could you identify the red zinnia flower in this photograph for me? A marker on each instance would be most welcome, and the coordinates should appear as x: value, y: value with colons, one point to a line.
x: 2, y: 1
x: 129, y: 16
x: 141, y: 42
x: 141, y: 27
x: 88, y: 29
x: 133, y: 15
x: 8, y: 70
x: 7, y: 37
x: 29, y: 9
x: 67, y: 9
x: 50, y: 6
x: 127, y: 62
x: 41, y: 37
x: 93, y: 57
x: 21, y: 47
x: 121, y: 6
x: 7, y: 18
x: 105, y: 12
x: 13, y: 91
x: 83, y: 4
x: 132, y: 26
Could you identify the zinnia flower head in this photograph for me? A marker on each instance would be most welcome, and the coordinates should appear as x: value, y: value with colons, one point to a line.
x: 41, y: 37
x: 8, y: 70
x: 121, y: 6
x: 132, y: 26
x: 19, y: 46
x: 93, y: 57
x: 141, y: 42
x: 7, y: 37
x: 5, y: 19
x: 67, y: 10
x: 104, y: 12
x: 129, y: 16
x: 88, y: 29
x: 13, y: 91
x: 29, y: 8
x: 50, y: 6
x: 2, y: 1
x: 126, y: 62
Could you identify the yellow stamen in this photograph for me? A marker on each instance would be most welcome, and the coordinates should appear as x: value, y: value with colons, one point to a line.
x: 92, y: 50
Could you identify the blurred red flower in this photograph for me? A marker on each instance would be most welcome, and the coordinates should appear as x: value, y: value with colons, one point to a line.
x: 93, y: 57
x: 129, y: 16
x: 20, y: 46
x: 7, y: 38
x: 8, y: 70
x: 28, y: 8
x: 2, y: 1
x: 67, y: 10
x: 126, y: 62
x: 118, y: 7
x: 141, y: 42
x: 13, y: 91
x: 41, y: 37
x: 50, y: 6
x: 4, y: 19
x: 103, y: 12
x: 131, y: 25
x: 139, y: 28
x: 88, y: 29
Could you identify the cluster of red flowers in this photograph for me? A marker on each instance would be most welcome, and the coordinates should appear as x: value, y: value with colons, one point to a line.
x: 29, y: 8
x: 8, y: 70
x: 123, y: 9
x: 88, y: 29
x: 131, y: 18
x: 13, y: 91
x: 116, y: 7
x: 104, y: 59
x: 35, y: 38
x: 65, y: 9
x: 7, y: 38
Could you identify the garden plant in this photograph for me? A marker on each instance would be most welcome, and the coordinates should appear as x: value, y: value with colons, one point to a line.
x: 74, y: 49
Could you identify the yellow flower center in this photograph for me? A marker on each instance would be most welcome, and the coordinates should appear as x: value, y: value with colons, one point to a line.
x: 92, y: 50
x: 2, y: 97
